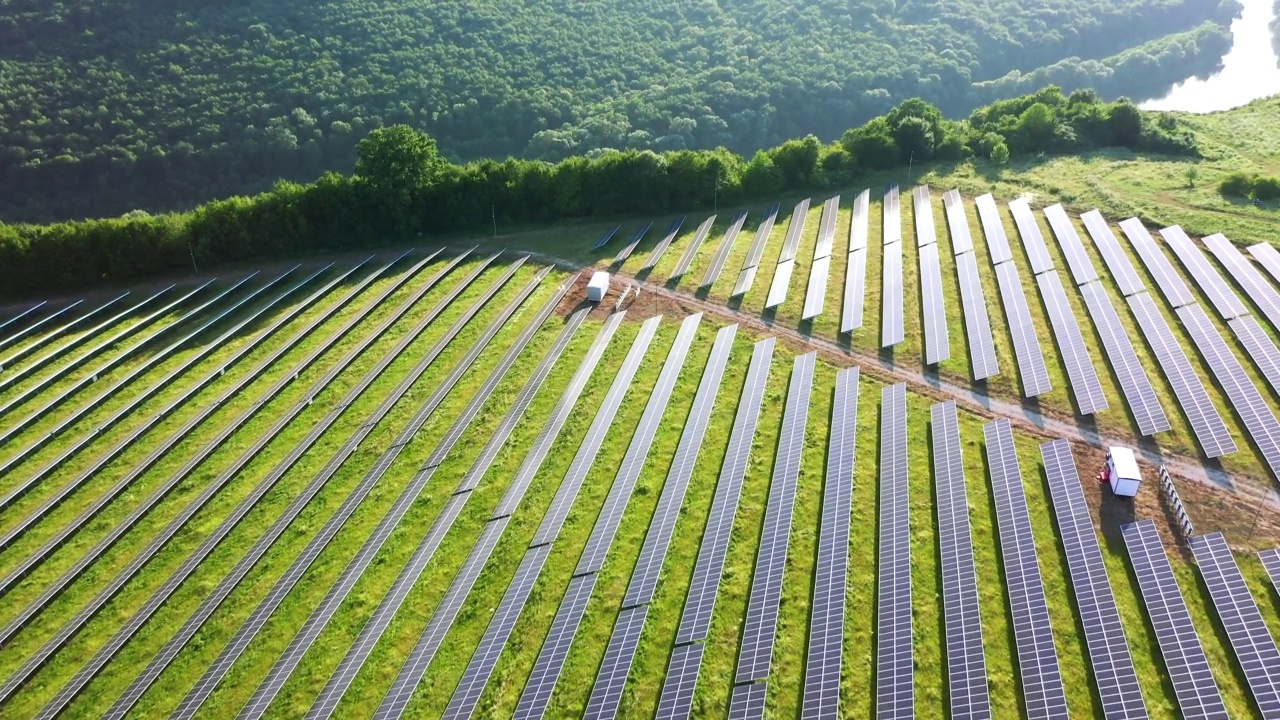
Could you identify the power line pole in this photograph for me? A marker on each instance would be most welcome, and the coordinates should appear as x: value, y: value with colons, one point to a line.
x: 494, y: 210
x: 194, y: 267
x: 910, y: 161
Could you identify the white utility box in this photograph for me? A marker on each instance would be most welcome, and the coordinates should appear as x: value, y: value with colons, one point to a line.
x: 598, y: 287
x: 1121, y: 472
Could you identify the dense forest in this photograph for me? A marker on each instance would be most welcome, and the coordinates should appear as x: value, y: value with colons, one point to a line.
x: 403, y: 187
x: 113, y: 105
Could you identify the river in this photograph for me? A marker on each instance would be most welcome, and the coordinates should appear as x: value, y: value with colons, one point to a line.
x: 1248, y: 72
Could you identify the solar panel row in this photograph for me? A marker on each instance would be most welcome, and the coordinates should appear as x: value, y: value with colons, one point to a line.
x: 926, y: 232
x: 686, y: 258
x: 1026, y: 342
x: 855, y: 280
x: 1211, y: 283
x: 977, y: 325
x: 721, y: 255
x: 630, y: 247
x: 895, y: 695
x: 661, y: 248
x: 676, y: 701
x: 957, y: 222
x: 1082, y: 270
x: 760, y: 627
x: 858, y: 222
x: 748, y: 701
x: 1032, y: 238
x: 606, y: 696
x: 49, y: 338
x: 1075, y: 355
x: 1261, y: 292
x: 781, y: 283
x: 993, y: 229
x: 795, y: 230
x: 555, y: 649
x: 1184, y: 657
x: 1271, y: 563
x: 1113, y: 255
x: 756, y: 253
x: 966, y: 663
x: 1267, y: 256
x: 937, y: 341
x: 891, y: 209
x: 826, y: 619
x: 891, y: 321
x: 1250, y: 638
x: 1211, y: 432
x: 1260, y: 347
x: 827, y: 228
x: 1140, y: 396
x: 1043, y: 692
x: 1109, y: 656
x: 816, y: 294
x: 1167, y: 279
x: 606, y: 237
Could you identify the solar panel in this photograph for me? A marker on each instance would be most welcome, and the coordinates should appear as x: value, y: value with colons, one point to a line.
x: 892, y: 215
x: 966, y: 663
x: 781, y: 283
x: 977, y: 325
x: 1271, y: 563
x: 858, y: 223
x: 1032, y: 239
x: 1043, y: 692
x: 826, y: 620
x: 891, y: 326
x: 1201, y: 413
x: 1109, y: 655
x: 555, y: 648
x: 1082, y: 270
x: 760, y: 627
x: 686, y: 258
x: 701, y: 599
x: 624, y: 482
x: 1267, y: 256
x: 957, y: 223
x: 606, y: 237
x: 661, y: 248
x: 746, y: 279
x: 795, y: 229
x: 895, y: 697
x: 855, y: 279
x: 474, y: 679
x: 926, y: 233
x: 748, y: 701
x: 1260, y: 347
x: 676, y: 702
x: 630, y: 247
x: 937, y: 341
x: 1250, y: 638
x: 827, y: 228
x: 1211, y: 283
x: 1134, y: 383
x: 993, y: 229
x: 816, y: 294
x: 606, y: 695
x: 721, y: 255
x: 1167, y: 279
x: 1247, y: 277
x: 1071, y: 348
x: 1026, y: 341
x: 1184, y: 657
x: 756, y: 253
x: 1113, y: 255
x: 1256, y: 417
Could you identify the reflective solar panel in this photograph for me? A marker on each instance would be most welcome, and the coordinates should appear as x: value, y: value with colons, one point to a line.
x: 676, y: 701
x: 1134, y: 383
x: 1256, y: 417
x: 891, y: 326
x: 855, y: 280
x: 1259, y: 290
x: 756, y: 253
x: 686, y: 258
x: 606, y: 695
x: 858, y: 223
x: 661, y: 248
x: 993, y: 229
x: 760, y: 627
x: 1071, y: 348
x: 892, y: 215
x: 555, y: 648
x: 937, y: 341
x: 1113, y: 255
x: 827, y: 228
x: 895, y: 695
x: 795, y: 230
x: 957, y: 222
x: 1032, y: 238
x: 817, y: 292
x: 1271, y: 563
x: 826, y: 618
x: 1184, y: 657
x: 1082, y: 270
x: 1211, y: 432
x: 1267, y: 256
x: 1251, y: 640
x: 1043, y: 692
x: 926, y: 233
x: 977, y: 325
x: 746, y: 279
x: 1167, y: 279
x: 606, y: 237
x: 1026, y: 341
x: 1211, y: 283
x: 1109, y: 657
x: 966, y: 663
x: 747, y: 702
x: 781, y: 283
x: 630, y: 247
x: 1260, y: 347
x: 721, y: 255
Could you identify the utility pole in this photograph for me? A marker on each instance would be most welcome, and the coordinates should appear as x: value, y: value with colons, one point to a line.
x: 194, y: 267
x: 494, y: 210
x: 910, y: 161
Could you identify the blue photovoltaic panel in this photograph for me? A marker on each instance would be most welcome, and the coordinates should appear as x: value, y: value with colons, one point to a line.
x: 1259, y: 290
x: 966, y: 663
x: 795, y: 230
x: 1184, y: 657
x: 1267, y: 256
x: 895, y: 695
x: 993, y: 229
x: 781, y: 283
x: 1271, y: 562
x: 977, y: 324
x: 926, y: 232
x: 1113, y: 255
x: 1032, y: 238
x: 891, y: 325
x: 937, y: 341
x: 1211, y: 282
x: 756, y: 253
x: 1082, y: 270
x: 827, y: 228
x: 661, y: 248
x: 747, y: 702
x: 686, y: 258
x: 855, y: 281
x: 1071, y: 348
x: 1260, y: 347
x: 606, y: 237
x: 815, y: 296
x: 957, y: 222
x: 1134, y: 383
x: 892, y: 215
x: 555, y: 648
x: 1026, y: 341
x: 676, y: 702
x: 746, y: 279
x: 1043, y: 692
x: 630, y: 247
x: 1109, y: 656
x: 1167, y: 278
x: 1250, y: 638
x: 858, y: 223
x: 611, y: 678
x: 721, y: 255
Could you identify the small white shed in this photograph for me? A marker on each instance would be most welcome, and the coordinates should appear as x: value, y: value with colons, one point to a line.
x: 598, y: 287
x: 1121, y: 472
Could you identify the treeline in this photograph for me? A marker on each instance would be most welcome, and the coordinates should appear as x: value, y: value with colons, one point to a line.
x: 403, y: 187
x: 1251, y: 187
x: 112, y: 105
